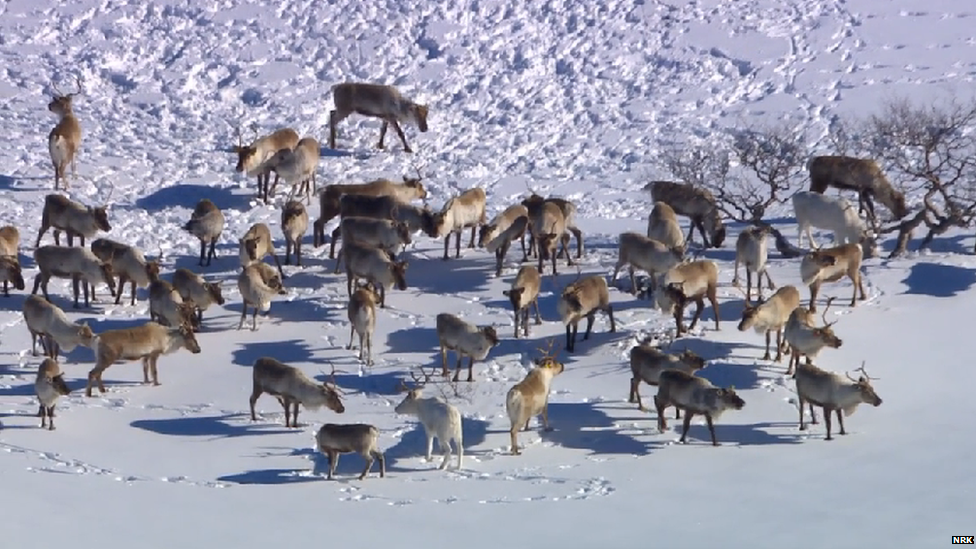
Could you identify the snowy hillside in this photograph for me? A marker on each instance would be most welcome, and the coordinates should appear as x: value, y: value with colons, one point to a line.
x: 567, y: 98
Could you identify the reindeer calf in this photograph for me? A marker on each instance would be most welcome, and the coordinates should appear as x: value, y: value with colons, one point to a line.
x: 294, y: 224
x: 334, y: 440
x: 691, y: 281
x: 127, y: 262
x: 771, y: 315
x: 258, y: 284
x: 580, y: 299
x: 362, y: 319
x: 78, y: 264
x: 464, y: 339
x: 694, y: 395
x: 47, y: 322
x: 146, y: 343
x: 49, y: 386
x: 752, y: 250
x: 75, y: 219
x: 523, y: 293
x: 646, y: 364
x: 662, y: 225
x: 375, y: 266
x: 256, y: 244
x: 10, y: 271
x: 206, y: 223
x: 830, y: 265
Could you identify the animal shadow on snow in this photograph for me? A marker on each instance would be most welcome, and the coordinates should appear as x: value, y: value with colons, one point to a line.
x: 435, y: 276
x: 413, y: 444
x: 187, y: 195
x: 220, y: 426
x: 377, y: 383
x: 938, y: 280
x: 306, y: 309
x: 568, y: 421
x: 416, y: 339
x: 289, y: 351
x: 732, y: 433
x: 725, y: 374
x: 712, y: 350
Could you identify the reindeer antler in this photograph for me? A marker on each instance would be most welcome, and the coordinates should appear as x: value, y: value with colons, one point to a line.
x: 547, y: 354
x: 111, y: 191
x: 824, y: 314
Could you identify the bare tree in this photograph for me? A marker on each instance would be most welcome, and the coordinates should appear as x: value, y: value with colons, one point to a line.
x: 934, y: 146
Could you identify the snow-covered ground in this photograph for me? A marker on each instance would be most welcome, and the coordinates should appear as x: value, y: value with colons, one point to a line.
x: 569, y: 98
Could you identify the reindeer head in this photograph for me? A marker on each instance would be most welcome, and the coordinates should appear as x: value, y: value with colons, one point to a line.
x: 750, y: 311
x: 418, y: 188
x: 399, y: 270
x: 370, y: 289
x: 409, y: 405
x: 187, y: 338
x: 152, y: 269
x: 515, y: 296
x: 822, y: 259
x: 548, y: 358
x: 10, y: 266
x: 213, y: 288
x: 61, y: 104
x: 491, y: 335
x: 188, y: 315
x: 669, y: 296
x: 715, y: 228
x: 863, y: 384
x: 100, y: 214
x: 486, y: 234
x: 403, y: 232
x: 59, y: 384
x: 419, y: 114
x: 330, y: 394
x: 899, y: 209
x: 730, y: 398
x: 826, y: 333
x: 869, y: 243
x: 691, y: 359
x: 249, y: 249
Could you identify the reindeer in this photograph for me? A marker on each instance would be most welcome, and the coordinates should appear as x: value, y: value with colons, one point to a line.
x: 65, y: 137
x: 805, y: 339
x: 832, y: 393
x: 330, y: 206
x: 770, y: 315
x: 254, y: 158
x: 168, y: 308
x: 258, y: 284
x: 49, y: 386
x: 334, y: 440
x: 691, y: 281
x: 580, y: 299
x: 362, y: 319
x: 376, y: 101
x: 294, y: 223
x: 78, y: 264
x: 502, y: 240
x: 206, y: 223
x: 194, y: 289
x: 648, y: 361
x: 530, y: 397
x: 857, y: 174
x: 830, y: 265
x: 439, y: 418
x: 698, y: 205
x: 523, y: 293
x: 146, y: 343
x: 662, y: 225
x: 129, y: 263
x: 460, y: 212
x: 548, y: 227
x: 388, y: 235
x: 640, y: 252
x: 694, y: 395
x: 10, y: 271
x: 256, y: 244
x: 464, y: 338
x: 835, y: 214
x: 47, y: 322
x: 73, y: 218
x: 751, y: 250
x: 568, y: 210
x: 297, y: 167
x: 375, y: 266
x: 292, y: 387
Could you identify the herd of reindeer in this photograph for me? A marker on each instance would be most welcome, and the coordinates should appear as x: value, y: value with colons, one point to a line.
x: 377, y: 221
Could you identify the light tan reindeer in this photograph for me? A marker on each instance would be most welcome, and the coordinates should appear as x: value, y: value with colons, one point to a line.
x: 65, y: 138
x: 292, y: 387
x: 662, y: 225
x: 464, y: 338
x: 128, y: 263
x: 548, y: 228
x: 294, y: 224
x: 637, y: 251
x: 375, y: 266
x: 362, y: 319
x: 330, y: 200
x: 497, y: 236
x: 530, y: 397
x: 389, y: 235
x: 256, y: 244
x: 699, y: 205
x: 830, y: 265
x: 694, y: 395
x: 376, y: 101
x: 194, y: 289
x: 48, y: 323
x: 145, y: 343
x: 258, y: 284
x: 168, y: 308
x: 771, y: 315
x: 805, y: 338
x: 684, y: 283
x: 75, y: 219
x: 10, y: 270
x: 752, y: 251
x: 254, y: 158
x: 523, y: 293
x: 460, y: 212
x: 336, y: 439
x: 78, y: 264
x: 297, y: 167
x: 582, y: 299
x: 568, y: 210
x: 833, y: 393
x: 206, y: 223
x: 49, y: 386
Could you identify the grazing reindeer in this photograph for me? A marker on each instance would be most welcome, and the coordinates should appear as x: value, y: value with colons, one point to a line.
x: 534, y: 203
x: 47, y: 322
x: 292, y: 387
x: 439, y: 418
x: 258, y: 284
x: 127, y: 262
x: 167, y: 307
x: 832, y: 393
x: 294, y: 223
x: 376, y: 101
x: 662, y: 225
x: 584, y: 298
x: 375, y: 266
x: 256, y: 244
x: 464, y: 339
x: 49, y: 386
x: 146, y: 343
x: 330, y: 199
x: 771, y: 315
x: 830, y: 265
x: 460, y: 212
x: 491, y: 231
x: 694, y: 395
x: 69, y: 216
x: 297, y: 167
x: 691, y: 281
x: 362, y: 319
x: 530, y: 397
x: 502, y: 240
x: 648, y: 361
x: 835, y: 214
x: 254, y: 158
x: 857, y: 174
x: 698, y: 205
x: 751, y: 250
x: 206, y: 223
x: 194, y: 289
x: 805, y: 339
x: 388, y: 235
x: 78, y: 264
x: 10, y: 271
x: 640, y: 252
x: 65, y: 137
x: 523, y: 293
x: 333, y: 440
x: 548, y: 228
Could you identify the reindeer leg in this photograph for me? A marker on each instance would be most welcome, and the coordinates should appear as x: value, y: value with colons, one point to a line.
x: 840, y: 420
x: 243, y: 315
x: 287, y: 252
x: 813, y: 414
x: 684, y: 426
x: 826, y: 414
x: 660, y: 405
x: 470, y: 368
x: 538, y: 317
x: 444, y: 370
x: 152, y: 368
x: 860, y: 287
x: 447, y: 244
x: 294, y: 413
x: 769, y: 337
x: 74, y: 288
x: 769, y: 281
x: 383, y: 128
x: 699, y: 308
x: 779, y: 345
x: 145, y: 370
x: 803, y: 426
x: 525, y: 321
x: 457, y: 367
x: 711, y: 428
x: 514, y: 436
x: 589, y: 324
x: 749, y: 285
x: 403, y: 138
x: 203, y: 252
x: 254, y: 319
x: 473, y: 229
x: 457, y: 243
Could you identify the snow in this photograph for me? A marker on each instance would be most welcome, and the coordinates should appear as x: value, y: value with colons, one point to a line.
x: 568, y: 98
